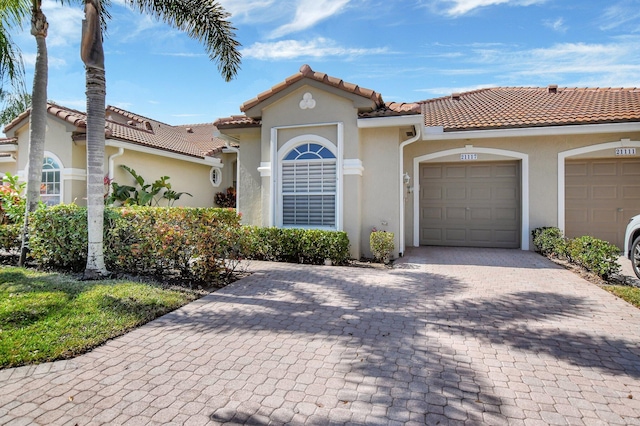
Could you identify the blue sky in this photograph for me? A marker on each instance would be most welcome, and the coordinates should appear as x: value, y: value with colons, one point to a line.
x: 407, y: 50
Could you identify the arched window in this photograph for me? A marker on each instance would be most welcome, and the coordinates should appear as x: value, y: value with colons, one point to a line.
x: 51, y: 186
x: 309, y: 187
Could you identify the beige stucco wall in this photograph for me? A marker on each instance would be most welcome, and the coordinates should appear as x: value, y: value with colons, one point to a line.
x: 333, y: 118
x: 380, y: 186
x: 542, y: 154
x: 184, y: 176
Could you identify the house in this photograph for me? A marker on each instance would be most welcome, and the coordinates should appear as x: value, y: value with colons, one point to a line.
x: 481, y: 168
x: 195, y: 161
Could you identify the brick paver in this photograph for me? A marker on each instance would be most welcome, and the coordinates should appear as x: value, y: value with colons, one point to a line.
x: 448, y: 336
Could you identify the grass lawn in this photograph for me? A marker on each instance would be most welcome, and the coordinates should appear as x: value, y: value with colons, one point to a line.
x: 48, y: 316
x: 627, y: 293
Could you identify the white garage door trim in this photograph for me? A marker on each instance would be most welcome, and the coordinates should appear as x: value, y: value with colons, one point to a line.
x: 562, y: 157
x: 524, y: 173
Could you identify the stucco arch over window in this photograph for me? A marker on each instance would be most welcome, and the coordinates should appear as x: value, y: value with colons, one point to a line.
x: 52, y: 184
x: 308, y: 183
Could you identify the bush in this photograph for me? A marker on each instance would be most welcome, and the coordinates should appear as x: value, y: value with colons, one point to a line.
x: 296, y: 245
x: 382, y: 246
x: 141, y: 240
x: 58, y: 237
x: 549, y: 241
x: 597, y: 256
x: 10, y: 237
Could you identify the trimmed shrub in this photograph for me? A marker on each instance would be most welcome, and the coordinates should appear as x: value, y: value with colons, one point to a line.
x: 141, y: 240
x: 597, y: 256
x: 382, y: 246
x: 58, y: 237
x: 10, y: 237
x: 296, y: 245
x: 549, y: 241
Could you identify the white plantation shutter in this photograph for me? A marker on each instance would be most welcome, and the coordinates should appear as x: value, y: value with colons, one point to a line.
x: 309, y: 187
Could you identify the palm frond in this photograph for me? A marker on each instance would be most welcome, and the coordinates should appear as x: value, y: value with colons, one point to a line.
x: 203, y: 20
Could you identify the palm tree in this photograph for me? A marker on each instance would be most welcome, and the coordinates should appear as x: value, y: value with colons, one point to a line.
x: 12, y: 13
x: 203, y: 20
x: 37, y: 120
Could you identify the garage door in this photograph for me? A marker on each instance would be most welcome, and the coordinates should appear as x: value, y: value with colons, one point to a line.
x: 600, y: 197
x: 470, y: 205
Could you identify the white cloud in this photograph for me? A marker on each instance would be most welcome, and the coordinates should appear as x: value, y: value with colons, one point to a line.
x: 317, y: 48
x: 308, y: 13
x: 557, y: 25
x: 445, y: 91
x: 246, y: 10
x: 620, y: 14
x: 53, y: 62
x: 456, y: 8
x: 65, y: 23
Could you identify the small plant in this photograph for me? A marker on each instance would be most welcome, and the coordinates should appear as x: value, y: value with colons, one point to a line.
x: 226, y: 199
x: 12, y: 201
x: 381, y: 245
x: 549, y: 241
x: 144, y: 194
x: 597, y: 256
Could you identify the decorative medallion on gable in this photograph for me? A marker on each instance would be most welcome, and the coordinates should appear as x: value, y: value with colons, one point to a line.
x: 307, y: 101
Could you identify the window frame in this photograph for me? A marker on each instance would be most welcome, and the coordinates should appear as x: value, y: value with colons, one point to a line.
x: 277, y: 178
x: 60, y: 170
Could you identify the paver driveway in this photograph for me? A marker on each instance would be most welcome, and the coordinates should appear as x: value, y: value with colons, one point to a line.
x: 449, y: 336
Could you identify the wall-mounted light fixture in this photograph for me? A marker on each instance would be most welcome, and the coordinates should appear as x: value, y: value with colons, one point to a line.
x: 406, y: 179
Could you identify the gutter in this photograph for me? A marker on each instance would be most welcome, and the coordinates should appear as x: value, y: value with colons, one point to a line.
x: 111, y: 165
x: 401, y: 180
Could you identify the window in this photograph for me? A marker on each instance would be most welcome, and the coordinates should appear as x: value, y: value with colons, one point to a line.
x: 215, y: 176
x: 50, y: 188
x: 309, y: 187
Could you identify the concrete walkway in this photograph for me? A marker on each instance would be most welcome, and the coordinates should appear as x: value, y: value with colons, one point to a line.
x: 448, y: 336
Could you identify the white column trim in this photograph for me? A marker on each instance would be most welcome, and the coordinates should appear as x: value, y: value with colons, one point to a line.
x: 562, y: 157
x: 352, y: 166
x: 524, y: 178
x: 265, y: 169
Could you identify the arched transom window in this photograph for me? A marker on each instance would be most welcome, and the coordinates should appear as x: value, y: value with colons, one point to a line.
x: 50, y: 188
x: 309, y: 187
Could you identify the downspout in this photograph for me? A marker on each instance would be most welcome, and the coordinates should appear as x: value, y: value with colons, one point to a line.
x: 110, y: 171
x: 402, y: 189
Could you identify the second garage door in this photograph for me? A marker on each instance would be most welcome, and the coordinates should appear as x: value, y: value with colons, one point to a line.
x: 470, y: 205
x: 601, y: 196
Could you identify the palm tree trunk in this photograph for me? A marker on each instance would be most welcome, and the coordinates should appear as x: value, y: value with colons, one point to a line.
x: 91, y: 53
x: 95, y: 172
x: 37, y: 123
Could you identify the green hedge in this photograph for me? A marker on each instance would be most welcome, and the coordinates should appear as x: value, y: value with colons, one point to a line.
x: 296, y: 245
x: 10, y: 237
x: 202, y: 244
x: 597, y: 256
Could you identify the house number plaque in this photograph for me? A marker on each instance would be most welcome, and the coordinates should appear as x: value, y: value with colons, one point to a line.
x: 625, y: 151
x: 467, y: 157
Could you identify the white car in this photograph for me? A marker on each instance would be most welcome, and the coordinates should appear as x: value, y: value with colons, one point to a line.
x: 632, y: 243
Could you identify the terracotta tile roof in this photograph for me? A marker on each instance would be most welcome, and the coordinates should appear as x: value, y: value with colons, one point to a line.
x: 8, y: 141
x: 236, y: 121
x: 394, y: 109
x: 194, y: 140
x: 514, y: 107
x: 307, y: 72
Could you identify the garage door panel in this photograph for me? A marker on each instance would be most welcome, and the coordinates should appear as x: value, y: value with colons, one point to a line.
x: 430, y: 193
x: 429, y: 172
x: 480, y: 193
x: 607, y: 192
x: 507, y: 171
x: 455, y: 193
x: 480, y: 204
x: 455, y: 172
x: 601, y: 202
x: 631, y: 192
x: 455, y: 213
x: 432, y: 213
x: 480, y: 214
x: 480, y: 172
x: 604, y: 168
x: 577, y: 192
x: 576, y: 169
x: 631, y: 169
